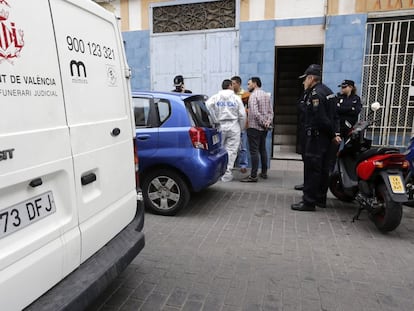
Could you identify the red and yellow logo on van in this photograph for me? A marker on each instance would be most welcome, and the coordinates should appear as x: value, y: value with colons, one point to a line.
x: 11, y: 38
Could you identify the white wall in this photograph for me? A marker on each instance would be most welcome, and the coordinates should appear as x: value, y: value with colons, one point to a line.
x: 346, y: 7
x: 135, y: 15
x: 256, y: 10
x: 299, y: 8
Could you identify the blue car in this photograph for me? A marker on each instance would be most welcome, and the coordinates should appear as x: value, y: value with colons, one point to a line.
x: 179, y: 148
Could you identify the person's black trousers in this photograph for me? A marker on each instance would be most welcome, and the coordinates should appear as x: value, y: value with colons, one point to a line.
x: 317, y: 162
x: 257, y: 149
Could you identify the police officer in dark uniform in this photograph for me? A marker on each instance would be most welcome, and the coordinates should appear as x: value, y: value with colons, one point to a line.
x: 179, y: 85
x: 348, y: 106
x: 301, y: 129
x: 319, y: 118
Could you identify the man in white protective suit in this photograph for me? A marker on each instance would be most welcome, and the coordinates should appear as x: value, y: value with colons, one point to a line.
x: 228, y: 110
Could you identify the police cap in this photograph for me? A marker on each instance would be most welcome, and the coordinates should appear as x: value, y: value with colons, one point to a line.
x: 178, y: 80
x: 314, y: 70
x: 346, y: 83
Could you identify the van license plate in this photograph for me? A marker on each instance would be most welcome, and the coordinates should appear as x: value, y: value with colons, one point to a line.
x: 215, y: 139
x: 397, y: 185
x: 21, y: 215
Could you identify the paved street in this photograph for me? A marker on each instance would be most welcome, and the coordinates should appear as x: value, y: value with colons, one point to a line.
x: 240, y: 247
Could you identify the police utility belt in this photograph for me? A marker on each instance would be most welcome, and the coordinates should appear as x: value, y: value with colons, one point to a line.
x: 312, y: 132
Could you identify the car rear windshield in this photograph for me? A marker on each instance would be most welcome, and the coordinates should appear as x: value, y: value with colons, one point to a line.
x: 198, y: 112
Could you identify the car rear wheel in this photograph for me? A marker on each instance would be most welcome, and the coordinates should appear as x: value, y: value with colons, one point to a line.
x: 165, y: 192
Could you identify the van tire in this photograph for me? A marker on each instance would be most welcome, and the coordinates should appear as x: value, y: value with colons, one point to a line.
x: 165, y: 192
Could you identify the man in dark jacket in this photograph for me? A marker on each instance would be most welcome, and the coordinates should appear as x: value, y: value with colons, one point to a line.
x: 320, y: 133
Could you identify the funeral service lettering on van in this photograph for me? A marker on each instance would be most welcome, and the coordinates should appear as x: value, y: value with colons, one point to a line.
x: 12, y: 50
x: 26, y: 80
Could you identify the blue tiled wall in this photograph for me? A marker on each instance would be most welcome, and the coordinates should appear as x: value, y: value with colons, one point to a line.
x: 137, y: 50
x: 344, y: 49
x: 257, y: 47
x: 343, y: 53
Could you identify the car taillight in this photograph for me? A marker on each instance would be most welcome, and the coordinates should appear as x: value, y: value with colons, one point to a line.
x: 136, y: 165
x: 198, y: 138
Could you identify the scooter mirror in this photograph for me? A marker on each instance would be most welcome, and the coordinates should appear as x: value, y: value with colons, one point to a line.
x: 375, y: 106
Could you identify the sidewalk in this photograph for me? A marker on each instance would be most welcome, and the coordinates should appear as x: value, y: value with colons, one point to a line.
x: 286, y: 165
x: 239, y: 246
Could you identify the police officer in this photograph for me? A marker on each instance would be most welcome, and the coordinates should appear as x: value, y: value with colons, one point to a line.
x: 301, y: 129
x: 348, y: 106
x: 179, y: 85
x: 319, y: 118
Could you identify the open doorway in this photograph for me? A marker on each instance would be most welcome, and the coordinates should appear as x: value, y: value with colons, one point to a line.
x: 290, y: 63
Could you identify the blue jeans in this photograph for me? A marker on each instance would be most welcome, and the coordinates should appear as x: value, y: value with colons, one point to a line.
x: 257, y: 147
x: 242, y: 159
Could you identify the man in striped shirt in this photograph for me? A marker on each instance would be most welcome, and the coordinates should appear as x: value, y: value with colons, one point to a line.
x: 260, y: 119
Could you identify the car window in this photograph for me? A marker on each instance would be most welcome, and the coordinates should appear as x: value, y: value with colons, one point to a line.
x: 150, y: 112
x: 198, y: 113
x: 141, y: 111
x: 164, y: 109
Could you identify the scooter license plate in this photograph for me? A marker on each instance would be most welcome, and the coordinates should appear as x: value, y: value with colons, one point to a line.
x: 397, y: 185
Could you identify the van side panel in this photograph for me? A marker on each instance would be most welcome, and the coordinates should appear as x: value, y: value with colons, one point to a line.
x: 98, y: 115
x: 38, y: 214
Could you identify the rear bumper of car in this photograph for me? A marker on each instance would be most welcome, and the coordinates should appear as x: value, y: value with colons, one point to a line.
x: 80, y: 288
x: 211, y: 168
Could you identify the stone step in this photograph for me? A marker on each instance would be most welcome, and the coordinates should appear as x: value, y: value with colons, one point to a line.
x: 286, y: 119
x: 286, y: 109
x: 284, y: 148
x: 285, y: 129
x: 284, y: 139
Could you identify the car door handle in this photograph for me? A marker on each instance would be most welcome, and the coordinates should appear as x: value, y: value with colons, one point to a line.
x: 36, y: 182
x: 143, y: 137
x: 88, y: 178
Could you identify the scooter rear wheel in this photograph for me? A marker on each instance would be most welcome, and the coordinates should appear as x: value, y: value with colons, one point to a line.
x: 337, y: 189
x: 389, y: 217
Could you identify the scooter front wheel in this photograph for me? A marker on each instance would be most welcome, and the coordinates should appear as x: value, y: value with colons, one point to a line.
x: 389, y: 216
x: 337, y: 189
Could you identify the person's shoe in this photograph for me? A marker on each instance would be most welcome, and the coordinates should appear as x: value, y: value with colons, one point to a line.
x: 243, y: 170
x: 226, y: 178
x: 263, y: 175
x: 321, y: 204
x: 299, y: 187
x: 249, y: 179
x: 303, y: 207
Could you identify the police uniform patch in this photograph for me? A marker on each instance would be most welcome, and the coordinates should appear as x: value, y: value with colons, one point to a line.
x: 315, y: 102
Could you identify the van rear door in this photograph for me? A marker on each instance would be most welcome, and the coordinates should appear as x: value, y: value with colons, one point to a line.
x: 99, y: 115
x: 39, y: 233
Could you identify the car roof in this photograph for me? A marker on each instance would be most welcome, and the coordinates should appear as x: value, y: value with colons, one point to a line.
x: 166, y: 95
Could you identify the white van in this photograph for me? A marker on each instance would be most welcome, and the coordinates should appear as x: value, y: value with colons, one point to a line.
x: 70, y: 216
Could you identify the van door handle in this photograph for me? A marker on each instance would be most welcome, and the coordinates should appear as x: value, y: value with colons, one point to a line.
x: 116, y: 131
x: 88, y: 178
x: 36, y: 182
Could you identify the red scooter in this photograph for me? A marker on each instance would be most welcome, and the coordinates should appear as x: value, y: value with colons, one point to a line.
x: 371, y: 176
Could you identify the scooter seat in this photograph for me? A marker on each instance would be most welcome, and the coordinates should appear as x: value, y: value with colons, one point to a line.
x: 376, y: 151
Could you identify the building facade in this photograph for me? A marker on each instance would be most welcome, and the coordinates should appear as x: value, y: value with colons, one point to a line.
x: 368, y: 41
